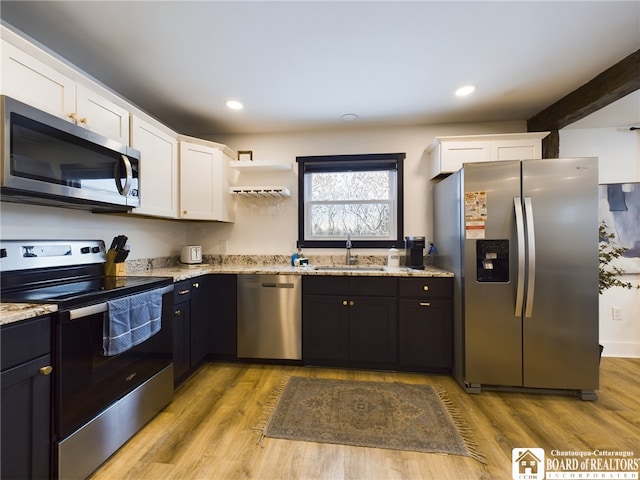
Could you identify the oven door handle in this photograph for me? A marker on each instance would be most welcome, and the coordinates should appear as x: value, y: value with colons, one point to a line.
x: 101, y: 307
x: 83, y: 312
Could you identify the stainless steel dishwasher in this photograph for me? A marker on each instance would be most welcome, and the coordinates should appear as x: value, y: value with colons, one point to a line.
x: 270, y: 316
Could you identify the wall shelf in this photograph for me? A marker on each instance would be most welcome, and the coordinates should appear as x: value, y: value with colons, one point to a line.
x: 251, y: 166
x: 261, y: 191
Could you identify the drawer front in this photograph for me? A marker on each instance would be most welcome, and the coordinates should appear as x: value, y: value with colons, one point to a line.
x: 25, y: 340
x: 426, y: 287
x: 373, y: 286
x: 181, y: 291
x: 325, y: 285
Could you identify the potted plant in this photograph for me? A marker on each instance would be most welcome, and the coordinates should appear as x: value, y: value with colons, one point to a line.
x: 607, y: 252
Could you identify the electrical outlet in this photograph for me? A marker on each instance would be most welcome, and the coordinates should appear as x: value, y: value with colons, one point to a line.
x: 616, y: 313
x: 223, y: 246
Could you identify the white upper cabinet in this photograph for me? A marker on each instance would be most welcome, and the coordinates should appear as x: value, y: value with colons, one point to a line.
x: 447, y: 154
x: 158, y: 169
x: 39, y: 84
x: 204, y: 181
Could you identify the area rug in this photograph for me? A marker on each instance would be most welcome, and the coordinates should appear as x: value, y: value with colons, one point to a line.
x: 395, y: 416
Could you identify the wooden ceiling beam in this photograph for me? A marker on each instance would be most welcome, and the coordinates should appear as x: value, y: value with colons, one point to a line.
x: 614, y: 83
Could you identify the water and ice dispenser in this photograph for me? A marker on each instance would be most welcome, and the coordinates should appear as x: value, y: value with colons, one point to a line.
x: 492, y: 259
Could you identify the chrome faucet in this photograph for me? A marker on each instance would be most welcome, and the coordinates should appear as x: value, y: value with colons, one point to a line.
x: 350, y: 259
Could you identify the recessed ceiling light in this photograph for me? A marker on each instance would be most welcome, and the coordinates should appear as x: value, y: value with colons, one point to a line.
x: 466, y: 90
x: 234, y: 105
x: 349, y: 117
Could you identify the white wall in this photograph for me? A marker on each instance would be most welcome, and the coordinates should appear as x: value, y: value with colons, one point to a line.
x: 618, y: 150
x: 272, y: 227
x: 148, y: 238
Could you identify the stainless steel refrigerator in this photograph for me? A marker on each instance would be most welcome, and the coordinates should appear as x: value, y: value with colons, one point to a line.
x: 522, y: 240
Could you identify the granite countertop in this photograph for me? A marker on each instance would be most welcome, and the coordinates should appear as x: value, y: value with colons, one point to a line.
x: 184, y: 272
x: 13, y: 312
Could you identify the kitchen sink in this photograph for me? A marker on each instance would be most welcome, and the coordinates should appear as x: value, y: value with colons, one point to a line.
x: 359, y: 268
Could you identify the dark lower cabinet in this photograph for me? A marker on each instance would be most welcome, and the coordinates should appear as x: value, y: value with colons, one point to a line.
x: 349, y: 321
x: 181, y: 340
x: 223, y: 331
x: 25, y: 405
x: 202, y: 313
x: 425, y: 324
x: 204, y: 322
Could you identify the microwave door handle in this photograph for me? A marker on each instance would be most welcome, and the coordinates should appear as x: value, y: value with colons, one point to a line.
x: 124, y: 189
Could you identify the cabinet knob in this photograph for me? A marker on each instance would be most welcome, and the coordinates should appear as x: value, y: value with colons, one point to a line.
x: 73, y: 116
x: 425, y: 304
x: 351, y: 303
x: 425, y: 288
x: 196, y: 285
x: 46, y: 370
x: 83, y: 120
x: 344, y: 302
x: 177, y: 313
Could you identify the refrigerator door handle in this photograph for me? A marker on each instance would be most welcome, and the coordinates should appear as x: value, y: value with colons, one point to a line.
x: 531, y: 249
x: 517, y: 204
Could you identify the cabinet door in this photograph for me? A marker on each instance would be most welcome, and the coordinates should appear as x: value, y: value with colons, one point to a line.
x: 181, y: 340
x: 425, y: 334
x: 201, y: 315
x: 454, y: 154
x: 26, y: 418
x: 524, y: 149
x: 197, y: 173
x: 158, y: 170
x: 325, y: 329
x: 373, y: 330
x: 31, y: 81
x: 100, y: 115
x: 223, y: 332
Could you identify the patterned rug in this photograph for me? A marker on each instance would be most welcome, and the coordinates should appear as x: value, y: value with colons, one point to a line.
x: 396, y: 416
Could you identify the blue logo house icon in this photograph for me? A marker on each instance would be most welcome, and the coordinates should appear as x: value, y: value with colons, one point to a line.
x: 528, y: 463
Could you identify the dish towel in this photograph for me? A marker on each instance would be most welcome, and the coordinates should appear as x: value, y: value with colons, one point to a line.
x: 131, y: 320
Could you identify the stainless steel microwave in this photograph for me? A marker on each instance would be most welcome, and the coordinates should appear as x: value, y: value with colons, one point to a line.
x: 49, y: 161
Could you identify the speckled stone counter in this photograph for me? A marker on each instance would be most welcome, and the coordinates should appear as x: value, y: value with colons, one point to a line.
x: 235, y: 264
x: 14, y: 312
x: 184, y: 272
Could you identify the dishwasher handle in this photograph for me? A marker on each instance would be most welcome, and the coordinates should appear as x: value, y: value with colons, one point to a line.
x: 276, y: 285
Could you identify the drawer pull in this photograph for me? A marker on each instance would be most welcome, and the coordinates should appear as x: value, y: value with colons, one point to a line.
x: 183, y: 292
x: 46, y: 370
x: 425, y: 304
x: 426, y: 288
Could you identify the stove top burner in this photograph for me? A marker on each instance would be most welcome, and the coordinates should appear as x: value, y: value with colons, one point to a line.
x: 93, y: 290
x: 68, y: 273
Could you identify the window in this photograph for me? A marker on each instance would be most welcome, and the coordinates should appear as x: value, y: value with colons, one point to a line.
x: 355, y: 196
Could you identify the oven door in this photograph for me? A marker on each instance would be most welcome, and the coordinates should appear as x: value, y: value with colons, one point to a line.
x: 87, y: 380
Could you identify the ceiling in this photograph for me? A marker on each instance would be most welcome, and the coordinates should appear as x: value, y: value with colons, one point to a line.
x: 300, y: 65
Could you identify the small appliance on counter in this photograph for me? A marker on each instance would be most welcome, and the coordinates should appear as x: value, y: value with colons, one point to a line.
x: 191, y: 254
x: 414, y: 254
x: 393, y: 257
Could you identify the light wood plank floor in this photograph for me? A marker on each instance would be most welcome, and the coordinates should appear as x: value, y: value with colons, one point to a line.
x: 206, y: 432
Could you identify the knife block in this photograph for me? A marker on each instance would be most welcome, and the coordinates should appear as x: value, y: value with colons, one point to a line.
x: 112, y: 269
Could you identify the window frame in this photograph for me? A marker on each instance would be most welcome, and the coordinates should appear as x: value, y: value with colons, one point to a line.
x: 345, y: 163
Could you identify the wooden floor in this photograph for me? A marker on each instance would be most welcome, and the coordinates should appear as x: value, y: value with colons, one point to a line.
x: 206, y: 432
